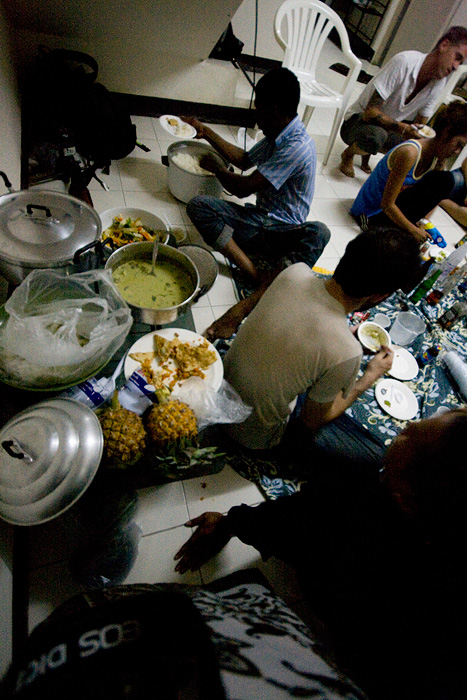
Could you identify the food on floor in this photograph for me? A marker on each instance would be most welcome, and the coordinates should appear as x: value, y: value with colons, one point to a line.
x: 171, y: 424
x: 124, y: 434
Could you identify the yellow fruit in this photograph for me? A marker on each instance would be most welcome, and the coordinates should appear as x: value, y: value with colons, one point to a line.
x: 171, y: 424
x: 124, y: 434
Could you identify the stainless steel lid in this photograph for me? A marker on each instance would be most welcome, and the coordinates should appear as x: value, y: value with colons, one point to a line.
x: 49, y: 455
x: 205, y: 263
x: 41, y: 226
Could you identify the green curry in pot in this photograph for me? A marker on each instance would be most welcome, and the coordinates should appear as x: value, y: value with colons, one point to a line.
x: 169, y: 286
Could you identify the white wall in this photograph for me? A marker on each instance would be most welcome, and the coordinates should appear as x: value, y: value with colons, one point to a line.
x: 144, y: 48
x: 10, y: 163
x: 243, y: 25
x: 10, y: 142
x: 423, y: 23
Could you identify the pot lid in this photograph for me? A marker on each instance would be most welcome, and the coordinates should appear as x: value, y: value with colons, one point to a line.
x: 205, y: 263
x: 49, y: 455
x: 37, y: 226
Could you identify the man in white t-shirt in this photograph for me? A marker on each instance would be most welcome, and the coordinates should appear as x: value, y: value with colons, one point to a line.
x: 404, y: 93
x: 297, y: 339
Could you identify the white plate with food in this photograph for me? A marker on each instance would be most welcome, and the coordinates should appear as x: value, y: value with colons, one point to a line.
x: 177, y: 127
x: 397, y: 399
x: 404, y: 364
x: 172, y: 357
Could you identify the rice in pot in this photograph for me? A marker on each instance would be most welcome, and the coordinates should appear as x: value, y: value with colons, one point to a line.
x: 189, y: 163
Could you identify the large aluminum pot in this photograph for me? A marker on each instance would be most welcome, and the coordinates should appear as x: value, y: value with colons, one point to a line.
x: 49, y: 454
x: 41, y: 229
x: 185, y: 185
x: 143, y: 251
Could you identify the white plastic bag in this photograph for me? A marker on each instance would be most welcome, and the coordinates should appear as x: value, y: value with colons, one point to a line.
x: 213, y: 407
x: 63, y: 327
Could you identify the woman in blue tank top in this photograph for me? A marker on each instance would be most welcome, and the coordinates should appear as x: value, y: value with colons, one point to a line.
x: 408, y: 181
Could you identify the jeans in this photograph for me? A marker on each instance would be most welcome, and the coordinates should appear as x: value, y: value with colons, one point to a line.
x: 255, y: 232
x: 368, y: 137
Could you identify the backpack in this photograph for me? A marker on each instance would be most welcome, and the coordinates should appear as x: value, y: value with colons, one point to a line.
x: 67, y: 109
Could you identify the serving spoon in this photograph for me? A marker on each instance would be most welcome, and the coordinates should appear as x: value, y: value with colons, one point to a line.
x: 155, y: 250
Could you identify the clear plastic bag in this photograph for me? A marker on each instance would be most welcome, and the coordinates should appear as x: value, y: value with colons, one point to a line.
x: 62, y: 328
x: 213, y: 407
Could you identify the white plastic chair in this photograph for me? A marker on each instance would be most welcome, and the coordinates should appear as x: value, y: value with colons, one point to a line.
x: 301, y: 28
x: 446, y: 95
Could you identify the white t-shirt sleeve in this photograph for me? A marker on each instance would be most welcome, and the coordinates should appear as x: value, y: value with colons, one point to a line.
x: 391, y: 76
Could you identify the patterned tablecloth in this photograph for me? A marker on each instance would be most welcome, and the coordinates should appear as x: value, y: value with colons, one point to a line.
x: 433, y: 388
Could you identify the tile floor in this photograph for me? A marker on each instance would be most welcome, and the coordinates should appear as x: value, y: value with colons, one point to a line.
x: 140, y: 180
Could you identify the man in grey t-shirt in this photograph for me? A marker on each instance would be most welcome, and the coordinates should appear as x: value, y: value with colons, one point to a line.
x: 297, y: 340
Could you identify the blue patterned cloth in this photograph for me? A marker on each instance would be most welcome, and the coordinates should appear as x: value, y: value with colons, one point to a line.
x: 433, y: 387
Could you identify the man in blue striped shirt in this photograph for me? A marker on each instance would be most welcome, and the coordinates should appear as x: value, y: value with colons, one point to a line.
x: 283, y: 180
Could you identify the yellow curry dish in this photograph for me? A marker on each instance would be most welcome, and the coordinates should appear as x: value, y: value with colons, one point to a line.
x: 168, y: 287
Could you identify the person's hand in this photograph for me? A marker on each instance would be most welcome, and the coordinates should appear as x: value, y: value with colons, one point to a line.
x: 199, y: 126
x: 380, y: 363
x: 209, y: 163
x: 409, y: 131
x: 208, y: 539
x: 422, y: 235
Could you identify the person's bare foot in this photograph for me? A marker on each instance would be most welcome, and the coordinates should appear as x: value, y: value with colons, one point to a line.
x: 346, y: 166
x: 366, y: 165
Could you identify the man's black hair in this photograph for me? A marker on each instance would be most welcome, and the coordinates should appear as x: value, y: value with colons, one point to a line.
x: 279, y: 88
x: 456, y: 35
x: 378, y: 261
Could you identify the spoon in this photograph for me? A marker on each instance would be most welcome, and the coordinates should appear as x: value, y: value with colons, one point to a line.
x: 155, y: 250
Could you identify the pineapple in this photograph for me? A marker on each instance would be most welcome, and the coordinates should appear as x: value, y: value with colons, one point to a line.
x: 171, y: 424
x: 124, y: 434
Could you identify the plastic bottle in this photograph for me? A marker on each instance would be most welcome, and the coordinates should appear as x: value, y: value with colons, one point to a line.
x: 453, y: 279
x: 428, y: 355
x: 436, y: 236
x: 452, y: 261
x: 454, y: 314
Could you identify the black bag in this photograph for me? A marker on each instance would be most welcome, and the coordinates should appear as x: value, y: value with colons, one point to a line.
x: 67, y: 108
x: 228, y: 46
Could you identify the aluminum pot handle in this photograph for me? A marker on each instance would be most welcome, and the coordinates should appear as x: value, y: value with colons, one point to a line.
x: 30, y: 207
x: 14, y: 449
x: 94, y: 244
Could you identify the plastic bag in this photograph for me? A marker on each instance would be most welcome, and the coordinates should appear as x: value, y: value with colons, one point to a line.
x: 213, y: 407
x: 61, y: 327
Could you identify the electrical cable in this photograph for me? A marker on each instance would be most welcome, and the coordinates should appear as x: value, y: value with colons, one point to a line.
x: 253, y: 82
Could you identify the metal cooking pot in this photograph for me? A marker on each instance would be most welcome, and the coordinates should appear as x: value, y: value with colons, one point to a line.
x: 143, y: 251
x: 41, y: 229
x: 185, y: 185
x: 49, y: 454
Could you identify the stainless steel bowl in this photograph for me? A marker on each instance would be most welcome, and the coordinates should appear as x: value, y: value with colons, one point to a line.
x: 143, y: 251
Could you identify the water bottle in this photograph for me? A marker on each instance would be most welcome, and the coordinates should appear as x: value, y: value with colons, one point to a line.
x: 452, y: 261
x: 436, y: 237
